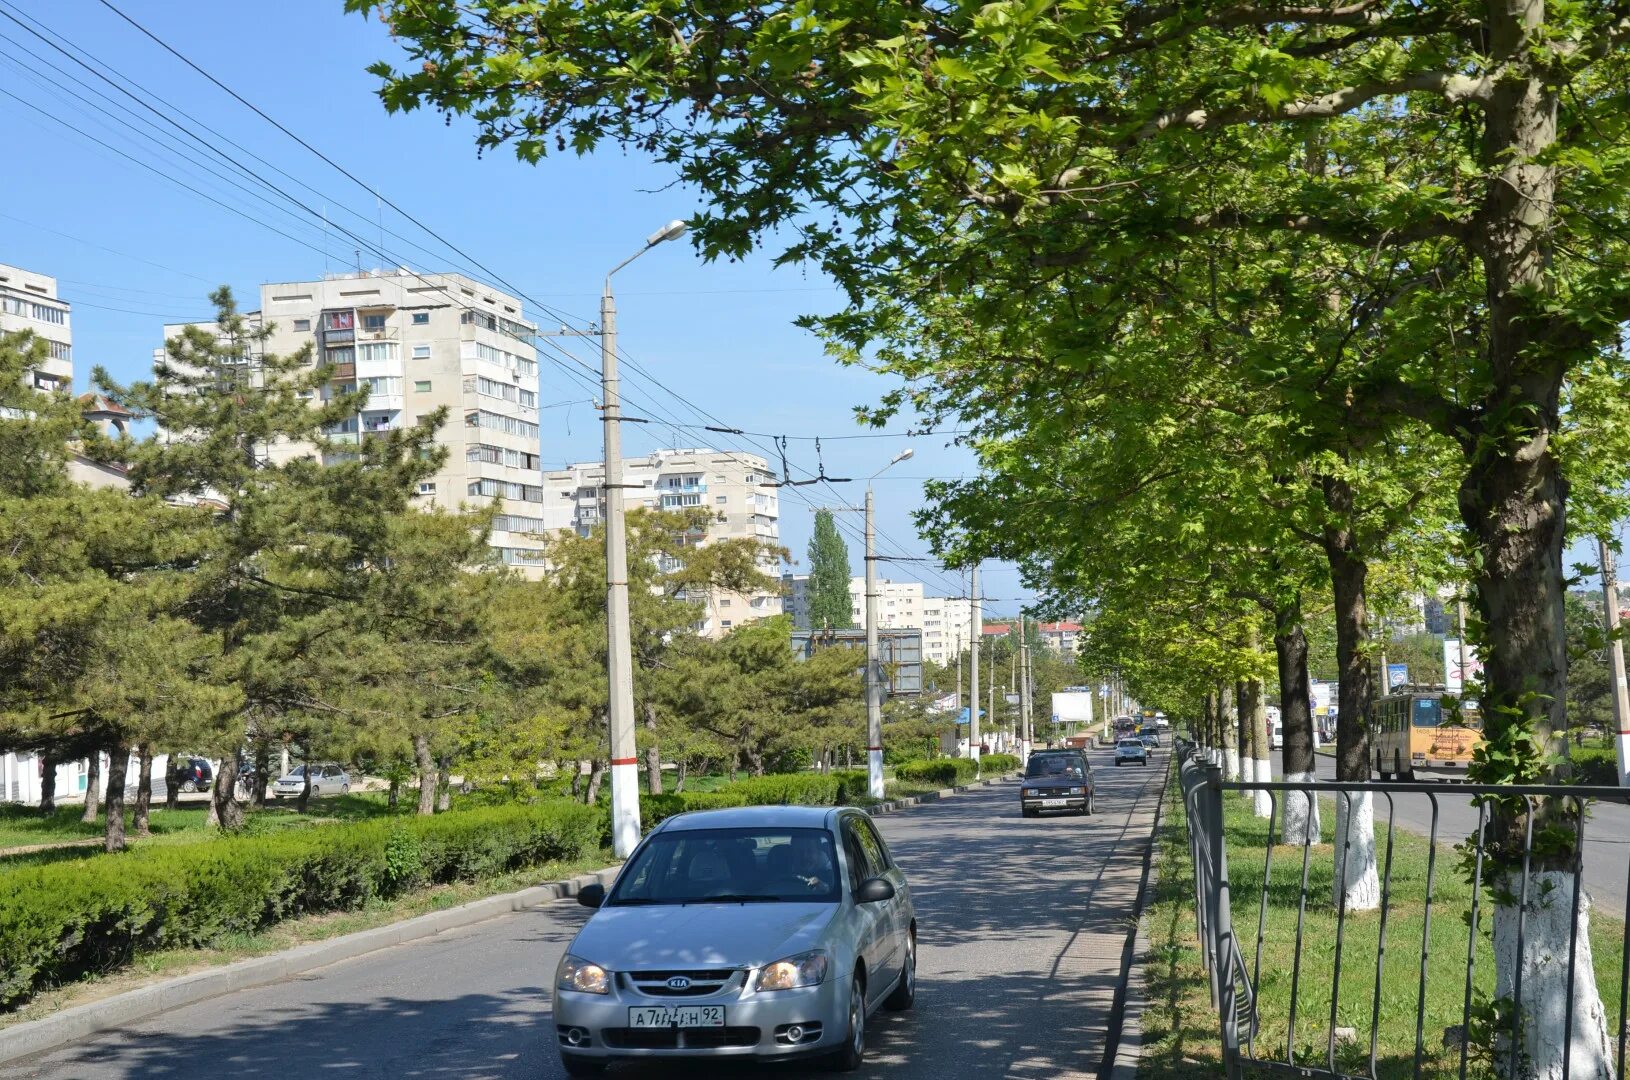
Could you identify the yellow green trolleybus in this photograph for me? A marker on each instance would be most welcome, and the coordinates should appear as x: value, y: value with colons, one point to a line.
x: 1420, y: 734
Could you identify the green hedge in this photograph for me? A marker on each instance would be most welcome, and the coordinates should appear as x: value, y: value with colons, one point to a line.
x: 946, y: 771
x: 1595, y: 765
x: 60, y: 921
x: 835, y: 788
x: 996, y: 764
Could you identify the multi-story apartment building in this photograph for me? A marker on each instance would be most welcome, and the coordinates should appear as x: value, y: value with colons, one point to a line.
x: 944, y: 621
x: 738, y: 490
x: 1063, y: 637
x: 419, y: 342
x: 29, y: 301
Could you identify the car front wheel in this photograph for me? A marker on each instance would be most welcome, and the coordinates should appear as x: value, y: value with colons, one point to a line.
x: 853, y: 1053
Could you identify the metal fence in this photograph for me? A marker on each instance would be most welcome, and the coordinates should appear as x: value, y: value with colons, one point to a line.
x: 1234, y: 963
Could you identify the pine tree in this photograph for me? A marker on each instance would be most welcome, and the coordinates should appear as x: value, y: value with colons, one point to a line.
x: 292, y: 539
x: 830, y: 606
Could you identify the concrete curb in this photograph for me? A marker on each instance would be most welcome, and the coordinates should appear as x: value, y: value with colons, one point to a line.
x: 79, y: 1021
x: 1134, y: 989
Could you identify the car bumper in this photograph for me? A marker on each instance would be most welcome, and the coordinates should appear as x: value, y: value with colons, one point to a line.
x: 1045, y: 803
x: 596, y: 1026
x: 1137, y: 759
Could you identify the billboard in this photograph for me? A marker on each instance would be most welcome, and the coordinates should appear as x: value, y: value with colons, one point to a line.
x: 1397, y: 675
x: 1072, y: 707
x: 1453, y: 678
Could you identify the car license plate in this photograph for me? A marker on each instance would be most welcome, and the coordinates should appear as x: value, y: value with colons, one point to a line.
x: 685, y: 1016
x: 1055, y: 802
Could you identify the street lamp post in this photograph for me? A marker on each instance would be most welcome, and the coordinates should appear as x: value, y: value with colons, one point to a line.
x: 874, y: 667
x: 625, y: 795
x: 975, y: 632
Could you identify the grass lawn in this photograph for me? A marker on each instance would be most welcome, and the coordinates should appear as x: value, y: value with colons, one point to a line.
x: 25, y: 825
x: 1181, y: 1031
x: 156, y: 966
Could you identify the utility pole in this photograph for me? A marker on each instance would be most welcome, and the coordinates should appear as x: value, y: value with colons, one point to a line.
x: 975, y: 633
x: 1024, y: 693
x: 1615, y: 653
x: 874, y: 670
x: 1386, y: 675
x: 990, y: 713
x: 625, y: 792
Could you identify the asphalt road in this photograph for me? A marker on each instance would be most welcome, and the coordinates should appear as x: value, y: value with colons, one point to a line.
x: 1021, y: 928
x: 1607, y: 833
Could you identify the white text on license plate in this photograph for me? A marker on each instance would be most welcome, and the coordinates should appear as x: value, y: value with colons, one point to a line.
x: 1055, y: 802
x: 685, y: 1016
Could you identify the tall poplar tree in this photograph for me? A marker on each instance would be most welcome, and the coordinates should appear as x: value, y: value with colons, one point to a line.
x: 830, y: 604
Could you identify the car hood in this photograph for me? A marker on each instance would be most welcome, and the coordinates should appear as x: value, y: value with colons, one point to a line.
x: 663, y: 936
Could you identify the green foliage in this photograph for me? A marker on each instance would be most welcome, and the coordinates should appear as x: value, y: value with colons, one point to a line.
x: 947, y: 772
x: 61, y: 921
x: 830, y: 604
x: 994, y: 764
x: 796, y: 789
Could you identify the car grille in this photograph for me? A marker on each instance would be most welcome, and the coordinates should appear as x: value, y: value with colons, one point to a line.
x: 679, y: 1038
x: 702, y: 983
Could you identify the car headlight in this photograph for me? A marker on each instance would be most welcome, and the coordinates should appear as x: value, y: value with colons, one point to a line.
x: 805, y: 969
x: 1031, y: 791
x: 578, y: 974
x: 1075, y: 791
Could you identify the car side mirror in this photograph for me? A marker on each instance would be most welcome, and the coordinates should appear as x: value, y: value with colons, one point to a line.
x: 592, y: 895
x: 874, y: 890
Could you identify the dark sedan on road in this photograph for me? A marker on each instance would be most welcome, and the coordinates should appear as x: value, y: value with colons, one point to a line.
x: 1057, y: 780
x: 1131, y: 750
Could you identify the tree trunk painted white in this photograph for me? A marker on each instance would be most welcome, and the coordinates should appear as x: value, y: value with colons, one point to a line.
x: 1247, y: 769
x: 1299, y: 814
x: 1231, y: 764
x: 1545, y: 983
x: 1264, y: 801
x: 1355, y: 853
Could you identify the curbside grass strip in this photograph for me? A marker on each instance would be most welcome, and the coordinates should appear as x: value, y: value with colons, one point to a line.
x: 80, y: 1021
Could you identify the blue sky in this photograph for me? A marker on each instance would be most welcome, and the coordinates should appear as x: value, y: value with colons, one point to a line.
x: 134, y: 250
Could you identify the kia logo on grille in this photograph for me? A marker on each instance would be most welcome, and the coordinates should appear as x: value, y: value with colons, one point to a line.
x: 679, y: 982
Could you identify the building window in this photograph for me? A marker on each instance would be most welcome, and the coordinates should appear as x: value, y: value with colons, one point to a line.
x: 724, y: 623
x: 724, y: 602
x: 529, y: 399
x: 722, y: 500
x: 379, y: 351
x: 339, y: 320
x: 373, y: 322
x: 421, y: 318
x: 302, y: 326
x: 421, y: 386
x: 421, y: 352
x: 427, y: 487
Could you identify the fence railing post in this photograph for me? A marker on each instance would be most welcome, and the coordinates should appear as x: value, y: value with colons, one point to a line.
x: 1223, y: 945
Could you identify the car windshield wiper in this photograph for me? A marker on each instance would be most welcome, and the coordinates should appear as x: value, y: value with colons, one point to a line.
x: 735, y: 898
x: 636, y: 901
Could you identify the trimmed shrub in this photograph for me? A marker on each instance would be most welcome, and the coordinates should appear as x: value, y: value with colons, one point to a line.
x: 60, y: 921
x: 995, y: 764
x: 782, y: 789
x: 947, y: 772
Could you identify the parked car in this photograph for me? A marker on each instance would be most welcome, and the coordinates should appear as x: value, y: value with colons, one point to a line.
x: 1057, y: 780
x: 764, y: 932
x: 1128, y: 750
x: 190, y: 773
x: 327, y: 779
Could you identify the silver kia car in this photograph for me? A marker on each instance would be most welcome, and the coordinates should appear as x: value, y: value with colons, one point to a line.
x: 755, y: 932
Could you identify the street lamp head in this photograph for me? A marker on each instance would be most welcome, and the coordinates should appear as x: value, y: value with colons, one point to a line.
x: 902, y: 456
x: 671, y: 231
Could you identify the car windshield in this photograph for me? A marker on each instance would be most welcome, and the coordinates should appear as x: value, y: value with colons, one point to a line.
x: 701, y: 866
x: 1062, y: 765
x: 1132, y: 744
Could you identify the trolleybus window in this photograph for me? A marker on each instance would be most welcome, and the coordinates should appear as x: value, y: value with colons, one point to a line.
x: 1428, y: 712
